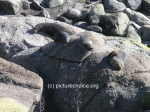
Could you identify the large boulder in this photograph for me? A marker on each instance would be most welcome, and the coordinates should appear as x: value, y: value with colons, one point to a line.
x: 20, y: 89
x: 16, y: 34
x: 10, y: 6
x: 121, y: 25
x: 114, y: 5
x: 64, y: 65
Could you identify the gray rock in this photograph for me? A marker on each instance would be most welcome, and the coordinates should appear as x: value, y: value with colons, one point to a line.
x: 53, y: 3
x: 129, y: 12
x: 122, y: 24
x: 81, y: 24
x: 145, y: 32
x: 114, y: 5
x: 146, y: 5
x: 73, y: 13
x: 10, y: 6
x: 94, y: 28
x: 20, y: 89
x: 140, y: 19
x: 97, y: 9
x: 124, y: 87
x: 134, y: 4
x: 133, y: 33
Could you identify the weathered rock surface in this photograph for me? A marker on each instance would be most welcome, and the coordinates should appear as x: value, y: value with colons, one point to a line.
x: 65, y: 63
x: 10, y: 6
x: 140, y: 18
x: 20, y: 89
x: 121, y: 25
x: 114, y: 5
x: 17, y: 34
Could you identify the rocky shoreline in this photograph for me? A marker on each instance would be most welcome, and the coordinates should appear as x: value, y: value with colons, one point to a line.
x: 36, y: 66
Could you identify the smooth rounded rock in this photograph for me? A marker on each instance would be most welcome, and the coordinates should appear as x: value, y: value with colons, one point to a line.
x: 114, y: 5
x: 53, y: 3
x: 132, y: 33
x: 73, y: 13
x: 134, y: 4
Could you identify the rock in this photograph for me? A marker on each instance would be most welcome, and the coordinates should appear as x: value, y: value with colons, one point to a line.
x: 10, y: 6
x: 134, y: 4
x: 20, y: 89
x: 94, y: 28
x: 63, y: 19
x: 145, y: 32
x: 17, y: 34
x: 146, y: 5
x: 114, y: 6
x: 81, y: 24
x: 53, y: 3
x: 73, y: 13
x: 98, y: 10
x: 129, y: 12
x: 146, y: 101
x: 132, y: 33
x: 110, y: 86
x: 140, y: 19
x: 66, y: 63
x: 122, y: 24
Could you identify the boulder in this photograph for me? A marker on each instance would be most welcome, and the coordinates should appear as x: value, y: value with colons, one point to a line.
x: 121, y: 25
x: 114, y: 5
x: 98, y: 10
x: 20, y: 89
x: 64, y: 65
x: 140, y: 18
x: 133, y: 33
x: 146, y: 5
x: 10, y: 6
x: 53, y: 3
x: 17, y: 34
x: 73, y: 13
x: 134, y: 4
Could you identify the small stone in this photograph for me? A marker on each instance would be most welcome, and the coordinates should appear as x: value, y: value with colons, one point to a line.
x: 73, y: 13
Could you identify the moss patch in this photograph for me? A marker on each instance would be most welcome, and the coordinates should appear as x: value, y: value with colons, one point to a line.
x: 11, y: 105
x: 82, y: 1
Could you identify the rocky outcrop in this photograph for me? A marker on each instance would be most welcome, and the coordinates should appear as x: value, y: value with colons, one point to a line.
x: 145, y: 31
x: 20, y: 89
x: 66, y: 63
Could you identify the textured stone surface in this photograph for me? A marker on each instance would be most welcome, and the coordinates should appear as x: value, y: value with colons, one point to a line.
x: 134, y: 4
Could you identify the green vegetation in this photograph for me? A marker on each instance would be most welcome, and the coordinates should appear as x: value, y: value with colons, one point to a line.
x: 82, y: 1
x: 11, y: 105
